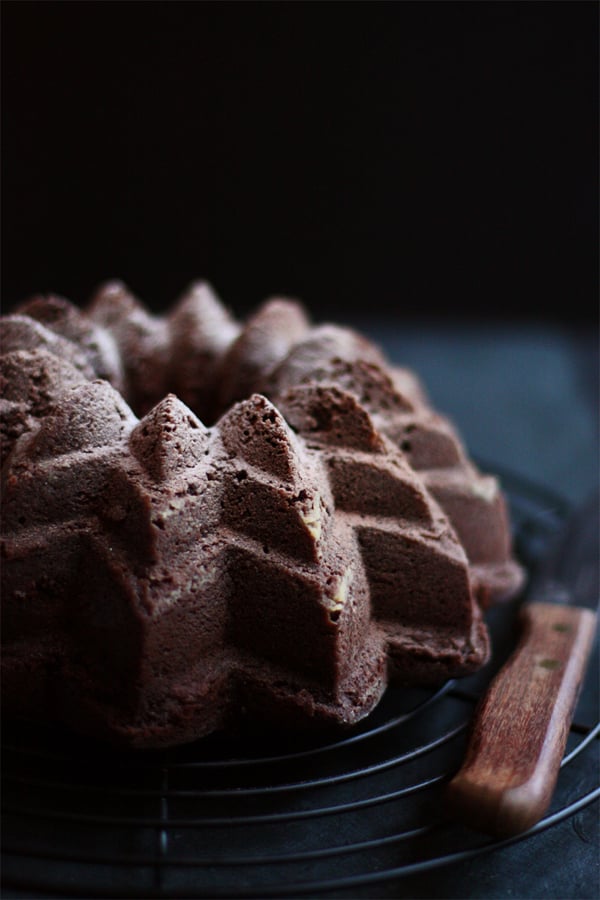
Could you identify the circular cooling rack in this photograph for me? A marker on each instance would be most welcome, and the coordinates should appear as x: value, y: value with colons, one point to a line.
x: 269, y: 816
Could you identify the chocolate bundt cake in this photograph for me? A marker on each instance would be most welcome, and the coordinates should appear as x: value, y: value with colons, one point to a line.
x: 204, y: 520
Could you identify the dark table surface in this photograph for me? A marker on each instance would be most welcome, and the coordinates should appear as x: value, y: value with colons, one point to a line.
x: 525, y: 398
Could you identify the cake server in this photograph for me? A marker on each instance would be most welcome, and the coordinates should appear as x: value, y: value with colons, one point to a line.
x: 521, y: 725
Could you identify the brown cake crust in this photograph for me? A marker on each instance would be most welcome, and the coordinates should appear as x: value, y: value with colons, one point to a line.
x: 323, y: 532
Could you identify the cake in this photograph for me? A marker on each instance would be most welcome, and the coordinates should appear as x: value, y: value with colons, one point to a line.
x: 206, y: 522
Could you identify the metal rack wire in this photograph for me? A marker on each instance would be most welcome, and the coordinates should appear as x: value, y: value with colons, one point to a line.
x: 265, y: 815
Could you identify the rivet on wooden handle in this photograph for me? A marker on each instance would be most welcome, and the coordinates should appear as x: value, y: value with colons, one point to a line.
x: 521, y: 725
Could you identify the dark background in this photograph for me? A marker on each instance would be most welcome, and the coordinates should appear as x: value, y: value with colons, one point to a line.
x: 383, y: 161
x: 404, y: 158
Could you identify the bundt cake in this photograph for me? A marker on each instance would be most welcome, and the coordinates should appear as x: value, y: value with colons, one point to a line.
x: 204, y: 520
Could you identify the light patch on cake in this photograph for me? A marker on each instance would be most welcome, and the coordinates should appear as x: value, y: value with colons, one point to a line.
x: 175, y: 506
x: 166, y: 596
x: 310, y: 515
x: 485, y: 488
x: 341, y: 592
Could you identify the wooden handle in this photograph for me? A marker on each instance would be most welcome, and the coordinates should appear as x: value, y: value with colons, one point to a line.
x: 521, y: 726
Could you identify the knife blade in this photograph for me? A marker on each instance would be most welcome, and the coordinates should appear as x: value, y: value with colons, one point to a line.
x: 520, y: 728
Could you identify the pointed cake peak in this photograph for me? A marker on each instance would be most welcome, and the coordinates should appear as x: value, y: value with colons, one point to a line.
x: 200, y: 319
x: 331, y: 416
x: 31, y: 382
x: 112, y: 302
x: 256, y: 431
x: 370, y: 383
x: 264, y: 341
x: 36, y: 378
x: 312, y: 357
x: 200, y: 297
x: 66, y: 319
x: 20, y: 332
x: 49, y: 309
x: 168, y: 439
x: 88, y: 415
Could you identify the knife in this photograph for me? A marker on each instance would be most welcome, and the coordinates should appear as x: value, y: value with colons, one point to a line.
x: 521, y: 725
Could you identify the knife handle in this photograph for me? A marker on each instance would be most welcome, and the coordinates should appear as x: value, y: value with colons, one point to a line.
x: 521, y: 726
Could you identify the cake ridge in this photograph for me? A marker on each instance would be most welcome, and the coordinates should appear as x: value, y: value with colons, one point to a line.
x: 292, y: 530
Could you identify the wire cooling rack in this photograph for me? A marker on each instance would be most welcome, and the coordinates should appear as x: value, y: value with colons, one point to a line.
x: 268, y: 816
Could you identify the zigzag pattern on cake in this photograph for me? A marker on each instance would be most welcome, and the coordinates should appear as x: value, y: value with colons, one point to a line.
x: 161, y: 575
x: 397, y: 402
x: 209, y: 360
